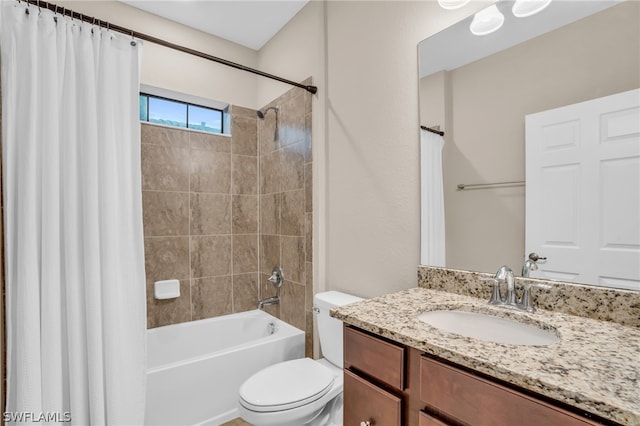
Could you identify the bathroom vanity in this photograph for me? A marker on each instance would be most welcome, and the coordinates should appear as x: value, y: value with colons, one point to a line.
x: 401, y: 371
x: 390, y: 384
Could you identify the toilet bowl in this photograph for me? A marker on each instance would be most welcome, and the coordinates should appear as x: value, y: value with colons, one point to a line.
x: 302, y: 392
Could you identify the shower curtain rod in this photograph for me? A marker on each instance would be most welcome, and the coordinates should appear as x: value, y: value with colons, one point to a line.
x: 134, y: 34
x: 429, y: 129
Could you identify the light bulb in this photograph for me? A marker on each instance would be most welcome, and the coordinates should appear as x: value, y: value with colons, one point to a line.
x: 452, y: 4
x: 524, y: 8
x: 487, y: 21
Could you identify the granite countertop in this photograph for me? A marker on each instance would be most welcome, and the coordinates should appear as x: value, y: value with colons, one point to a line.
x: 595, y: 366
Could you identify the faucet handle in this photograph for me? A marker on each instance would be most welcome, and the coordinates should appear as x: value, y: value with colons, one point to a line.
x: 496, y: 297
x: 527, y: 304
x: 535, y: 257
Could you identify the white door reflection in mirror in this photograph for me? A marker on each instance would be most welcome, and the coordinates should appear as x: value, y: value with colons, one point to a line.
x: 583, y: 191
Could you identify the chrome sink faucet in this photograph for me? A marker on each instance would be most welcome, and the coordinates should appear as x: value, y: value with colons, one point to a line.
x: 505, y: 274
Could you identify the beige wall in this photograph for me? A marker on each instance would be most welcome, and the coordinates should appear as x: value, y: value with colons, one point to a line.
x: 594, y: 57
x: 173, y: 70
x: 372, y: 171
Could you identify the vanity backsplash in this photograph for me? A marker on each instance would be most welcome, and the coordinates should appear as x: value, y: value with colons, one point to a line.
x: 601, y: 303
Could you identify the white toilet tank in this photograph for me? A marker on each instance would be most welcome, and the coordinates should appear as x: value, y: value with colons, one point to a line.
x: 330, y: 329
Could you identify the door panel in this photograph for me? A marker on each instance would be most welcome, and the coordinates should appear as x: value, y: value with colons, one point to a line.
x: 583, y: 191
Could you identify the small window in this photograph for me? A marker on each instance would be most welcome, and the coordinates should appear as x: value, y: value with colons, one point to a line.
x: 155, y: 109
x: 205, y: 119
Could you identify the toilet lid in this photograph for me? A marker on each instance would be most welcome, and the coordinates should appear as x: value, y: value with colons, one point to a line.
x: 286, y: 385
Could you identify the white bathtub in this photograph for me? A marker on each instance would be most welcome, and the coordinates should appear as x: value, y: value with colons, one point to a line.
x: 194, y: 369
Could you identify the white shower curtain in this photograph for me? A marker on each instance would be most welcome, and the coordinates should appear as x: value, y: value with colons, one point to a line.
x: 75, y: 285
x: 432, y: 238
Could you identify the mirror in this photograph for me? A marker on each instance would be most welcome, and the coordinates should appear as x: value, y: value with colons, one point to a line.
x: 478, y: 89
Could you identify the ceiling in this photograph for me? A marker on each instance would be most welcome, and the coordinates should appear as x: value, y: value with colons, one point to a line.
x: 251, y: 23
x: 456, y: 46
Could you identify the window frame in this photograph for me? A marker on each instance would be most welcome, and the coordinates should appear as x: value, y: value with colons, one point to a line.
x: 164, y: 98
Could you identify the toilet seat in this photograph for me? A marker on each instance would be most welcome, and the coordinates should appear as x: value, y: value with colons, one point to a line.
x: 286, y: 385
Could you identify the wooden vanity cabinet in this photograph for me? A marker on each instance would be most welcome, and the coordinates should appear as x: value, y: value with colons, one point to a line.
x: 374, y: 380
x: 387, y: 384
x: 469, y: 399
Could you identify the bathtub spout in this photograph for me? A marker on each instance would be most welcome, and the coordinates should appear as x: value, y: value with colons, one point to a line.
x: 268, y: 301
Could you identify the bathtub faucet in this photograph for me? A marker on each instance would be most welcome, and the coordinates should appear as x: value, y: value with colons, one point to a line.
x: 277, y: 279
x: 268, y: 301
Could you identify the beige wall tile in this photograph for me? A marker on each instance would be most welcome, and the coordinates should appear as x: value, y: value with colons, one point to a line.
x: 210, y: 171
x: 285, y: 172
x: 211, y: 297
x: 293, y: 259
x: 210, y: 256
x: 268, y: 134
x: 245, y: 253
x: 165, y: 168
x: 166, y: 258
x: 244, y: 175
x: 210, y: 142
x: 270, y: 173
x: 245, y: 135
x: 210, y: 213
x: 270, y: 213
x: 292, y: 213
x: 169, y: 311
x: 291, y: 127
x: 245, y: 292
x: 245, y: 214
x: 292, y: 304
x: 165, y: 136
x: 242, y: 111
x: 165, y: 213
x: 269, y: 252
x: 292, y: 167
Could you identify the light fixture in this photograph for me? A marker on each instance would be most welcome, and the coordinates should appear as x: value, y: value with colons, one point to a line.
x: 524, y: 8
x: 452, y: 4
x: 487, y: 21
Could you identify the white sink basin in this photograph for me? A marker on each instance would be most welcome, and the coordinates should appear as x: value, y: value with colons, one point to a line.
x: 489, y: 328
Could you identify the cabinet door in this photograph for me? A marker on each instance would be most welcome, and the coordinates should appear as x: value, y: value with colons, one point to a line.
x: 365, y: 402
x: 477, y: 401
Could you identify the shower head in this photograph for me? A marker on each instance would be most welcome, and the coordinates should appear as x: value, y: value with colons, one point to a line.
x: 262, y: 112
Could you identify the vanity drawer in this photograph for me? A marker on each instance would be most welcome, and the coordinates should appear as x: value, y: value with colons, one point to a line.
x: 427, y: 420
x: 377, y: 358
x: 476, y: 401
x: 365, y: 402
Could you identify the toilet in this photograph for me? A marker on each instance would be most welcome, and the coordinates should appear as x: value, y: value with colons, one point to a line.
x: 302, y: 392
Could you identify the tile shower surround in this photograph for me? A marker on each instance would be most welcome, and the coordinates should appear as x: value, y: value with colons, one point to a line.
x: 219, y: 212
